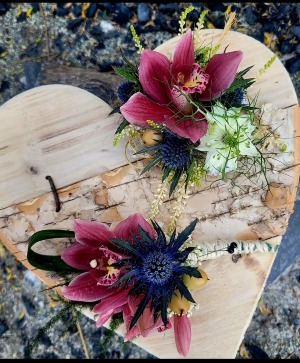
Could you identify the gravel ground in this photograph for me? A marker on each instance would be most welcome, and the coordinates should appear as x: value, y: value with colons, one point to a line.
x: 89, y: 37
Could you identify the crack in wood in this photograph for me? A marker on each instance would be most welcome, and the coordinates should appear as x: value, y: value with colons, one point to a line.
x: 55, y: 222
x: 70, y: 200
x: 126, y: 183
x: 20, y: 242
x: 215, y: 216
x: 108, y: 206
x: 10, y: 215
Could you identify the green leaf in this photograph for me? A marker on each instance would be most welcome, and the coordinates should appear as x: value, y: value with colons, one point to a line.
x: 125, y: 278
x: 164, y: 300
x: 122, y: 126
x: 190, y: 172
x: 151, y: 164
x: 192, y: 271
x: 124, y: 245
x: 243, y: 72
x: 130, y: 65
x: 141, y: 308
x: 166, y: 173
x: 115, y: 110
x: 248, y: 108
x: 46, y: 262
x: 175, y: 181
x: 127, y: 74
x: 240, y: 83
x: 184, y: 235
x: 185, y: 291
x: 184, y: 254
x: 146, y: 239
x: 147, y: 149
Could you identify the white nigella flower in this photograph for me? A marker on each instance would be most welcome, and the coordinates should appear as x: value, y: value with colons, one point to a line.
x: 228, y: 137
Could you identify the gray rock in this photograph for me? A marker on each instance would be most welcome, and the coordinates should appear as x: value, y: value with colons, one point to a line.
x: 143, y: 13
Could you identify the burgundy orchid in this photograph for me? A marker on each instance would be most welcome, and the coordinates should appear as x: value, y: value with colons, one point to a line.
x: 181, y: 324
x: 168, y: 86
x: 94, y: 253
x: 183, y: 333
x: 145, y: 324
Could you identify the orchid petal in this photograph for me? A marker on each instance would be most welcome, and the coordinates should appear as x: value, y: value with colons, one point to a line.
x: 92, y: 233
x: 222, y: 69
x: 146, y: 322
x: 129, y: 227
x: 105, y: 274
x: 80, y: 256
x: 138, y: 109
x: 154, y: 75
x: 184, y: 58
x: 112, y: 302
x: 183, y: 334
x: 110, y: 306
x: 134, y: 331
x: 84, y: 288
x: 104, y: 317
x: 191, y: 129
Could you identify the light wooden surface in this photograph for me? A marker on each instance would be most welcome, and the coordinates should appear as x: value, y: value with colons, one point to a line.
x: 66, y: 132
x: 56, y: 130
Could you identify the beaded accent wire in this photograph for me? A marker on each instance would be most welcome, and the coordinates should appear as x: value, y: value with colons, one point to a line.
x: 209, y: 251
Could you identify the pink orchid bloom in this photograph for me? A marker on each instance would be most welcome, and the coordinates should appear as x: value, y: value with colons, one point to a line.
x: 94, y: 253
x: 168, y: 85
x: 183, y: 333
x: 146, y: 324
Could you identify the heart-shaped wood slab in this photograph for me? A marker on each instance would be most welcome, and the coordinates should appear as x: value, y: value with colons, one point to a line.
x: 67, y: 133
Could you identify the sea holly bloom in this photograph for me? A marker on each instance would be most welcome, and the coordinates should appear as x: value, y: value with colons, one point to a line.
x: 170, y: 86
x: 229, y: 137
x: 94, y: 254
x: 174, y: 153
x: 155, y: 269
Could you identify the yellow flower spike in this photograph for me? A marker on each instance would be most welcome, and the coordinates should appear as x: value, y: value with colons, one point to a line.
x: 151, y: 137
x: 136, y: 39
x: 182, y: 20
x: 210, y: 25
x: 29, y: 12
x: 2, y: 250
x: 84, y: 8
x: 179, y: 304
x: 195, y: 282
x: 19, y: 11
x: 22, y: 315
x: 228, y: 10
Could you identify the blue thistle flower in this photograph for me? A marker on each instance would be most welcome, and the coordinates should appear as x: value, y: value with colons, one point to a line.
x: 236, y: 97
x: 155, y: 268
x: 175, y: 151
x: 125, y: 91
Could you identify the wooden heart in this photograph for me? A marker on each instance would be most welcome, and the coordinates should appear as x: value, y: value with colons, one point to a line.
x: 67, y: 133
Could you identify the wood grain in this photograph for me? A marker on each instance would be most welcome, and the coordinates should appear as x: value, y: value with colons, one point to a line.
x: 56, y: 130
x: 65, y: 132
